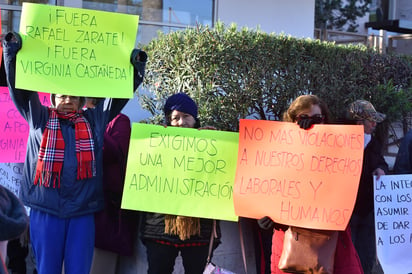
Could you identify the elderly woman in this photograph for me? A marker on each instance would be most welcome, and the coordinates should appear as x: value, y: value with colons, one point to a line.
x: 166, y: 235
x: 62, y: 181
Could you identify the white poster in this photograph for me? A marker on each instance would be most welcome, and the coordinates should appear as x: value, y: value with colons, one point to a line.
x: 393, y: 222
x: 11, y: 175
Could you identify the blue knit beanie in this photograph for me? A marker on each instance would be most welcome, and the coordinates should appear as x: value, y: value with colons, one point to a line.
x: 180, y: 102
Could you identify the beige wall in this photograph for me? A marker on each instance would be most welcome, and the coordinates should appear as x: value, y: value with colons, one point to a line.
x: 292, y: 17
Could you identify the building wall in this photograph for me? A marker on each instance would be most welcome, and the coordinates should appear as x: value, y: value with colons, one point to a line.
x: 292, y: 17
x: 278, y: 16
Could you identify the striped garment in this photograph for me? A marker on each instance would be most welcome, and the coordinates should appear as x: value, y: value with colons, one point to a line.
x: 51, y: 153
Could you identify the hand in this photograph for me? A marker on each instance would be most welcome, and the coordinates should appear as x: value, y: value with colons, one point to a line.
x: 142, y: 56
x: 266, y: 222
x: 306, y: 123
x: 12, y: 43
x: 208, y: 127
x: 378, y: 173
x: 138, y: 55
x: 138, y: 59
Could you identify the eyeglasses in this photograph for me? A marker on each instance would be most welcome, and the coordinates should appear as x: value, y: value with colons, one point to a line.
x: 65, y: 97
x: 317, y: 118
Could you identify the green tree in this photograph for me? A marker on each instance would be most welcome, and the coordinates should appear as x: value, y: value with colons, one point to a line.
x: 340, y: 14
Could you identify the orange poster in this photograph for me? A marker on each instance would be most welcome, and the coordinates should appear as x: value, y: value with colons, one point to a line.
x: 298, y: 177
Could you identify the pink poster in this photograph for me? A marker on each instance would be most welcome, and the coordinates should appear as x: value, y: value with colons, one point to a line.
x: 14, y: 130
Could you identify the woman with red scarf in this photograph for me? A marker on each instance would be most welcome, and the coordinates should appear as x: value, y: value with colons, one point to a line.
x: 62, y: 181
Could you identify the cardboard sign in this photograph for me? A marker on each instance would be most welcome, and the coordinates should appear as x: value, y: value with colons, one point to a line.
x: 393, y: 222
x: 76, y: 51
x: 298, y: 177
x: 14, y: 129
x: 181, y: 171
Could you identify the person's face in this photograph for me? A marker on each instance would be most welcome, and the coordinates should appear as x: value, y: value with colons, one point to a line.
x: 181, y: 119
x: 67, y: 103
x: 313, y: 111
x: 90, y: 103
x: 368, y: 126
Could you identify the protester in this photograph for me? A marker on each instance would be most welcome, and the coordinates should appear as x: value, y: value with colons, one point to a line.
x: 13, y: 222
x: 307, y: 110
x: 166, y: 235
x: 63, y: 170
x: 116, y: 228
x: 403, y: 162
x: 362, y: 222
x: 262, y: 243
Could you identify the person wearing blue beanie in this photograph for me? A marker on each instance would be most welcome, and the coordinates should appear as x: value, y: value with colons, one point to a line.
x: 166, y: 236
x: 180, y: 103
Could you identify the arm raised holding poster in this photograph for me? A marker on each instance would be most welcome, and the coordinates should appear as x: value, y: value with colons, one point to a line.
x: 310, y: 179
x: 62, y: 181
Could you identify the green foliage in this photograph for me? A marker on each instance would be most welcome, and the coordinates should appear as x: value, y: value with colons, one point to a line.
x: 234, y: 74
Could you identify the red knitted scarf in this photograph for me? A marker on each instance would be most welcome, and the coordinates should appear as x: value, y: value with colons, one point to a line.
x: 51, y: 153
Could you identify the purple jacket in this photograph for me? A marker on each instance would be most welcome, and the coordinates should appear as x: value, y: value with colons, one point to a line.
x: 115, y: 228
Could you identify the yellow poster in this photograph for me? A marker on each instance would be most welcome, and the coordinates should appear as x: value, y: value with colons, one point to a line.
x: 76, y: 51
x: 181, y: 171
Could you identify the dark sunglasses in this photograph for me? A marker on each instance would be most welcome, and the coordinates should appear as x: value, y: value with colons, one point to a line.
x: 317, y: 118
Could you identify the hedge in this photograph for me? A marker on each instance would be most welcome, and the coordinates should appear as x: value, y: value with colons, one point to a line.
x: 237, y: 73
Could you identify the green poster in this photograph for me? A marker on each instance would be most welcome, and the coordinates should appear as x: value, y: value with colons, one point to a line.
x: 181, y: 171
x: 76, y: 51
